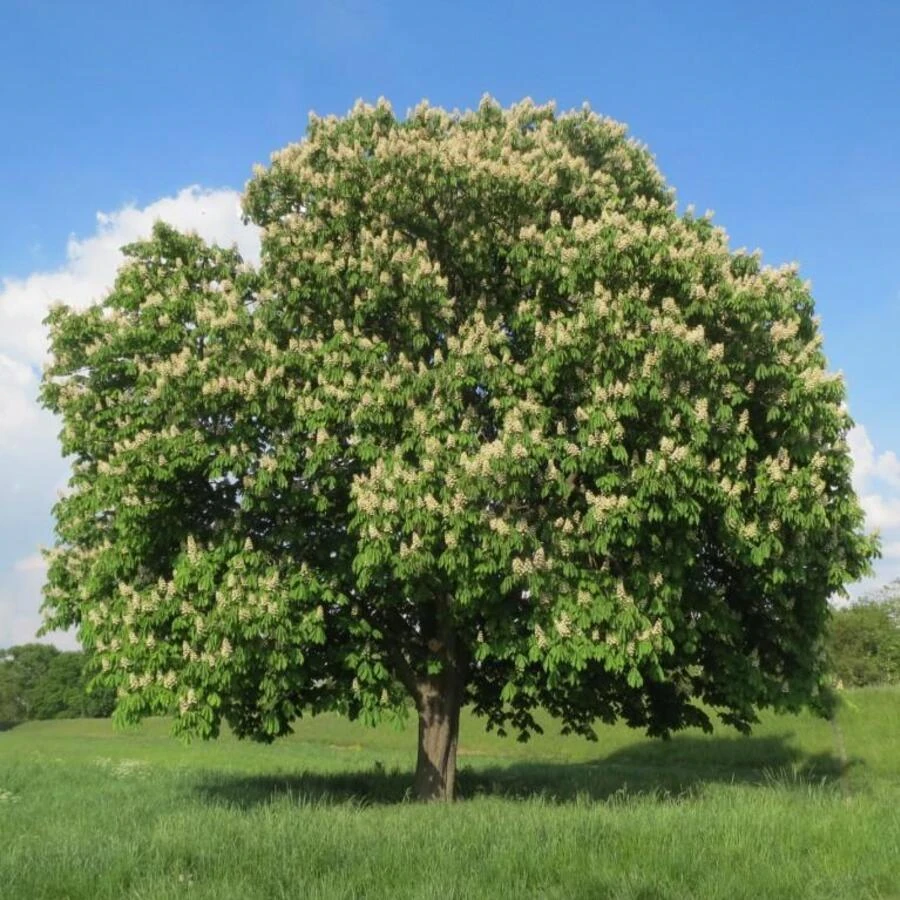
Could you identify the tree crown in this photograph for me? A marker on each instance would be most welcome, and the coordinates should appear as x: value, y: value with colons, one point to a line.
x: 488, y: 403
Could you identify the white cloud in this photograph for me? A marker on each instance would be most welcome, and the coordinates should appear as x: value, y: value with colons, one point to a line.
x: 33, y: 563
x: 91, y: 263
x: 18, y: 388
x: 891, y: 550
x: 20, y: 616
x: 31, y: 468
x: 869, y: 467
x: 882, y: 513
x: 876, y: 477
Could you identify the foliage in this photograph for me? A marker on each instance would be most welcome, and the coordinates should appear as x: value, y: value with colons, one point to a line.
x: 40, y: 682
x: 491, y: 422
x: 864, y: 641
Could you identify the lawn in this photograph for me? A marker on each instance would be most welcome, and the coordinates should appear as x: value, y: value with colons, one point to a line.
x: 86, y: 812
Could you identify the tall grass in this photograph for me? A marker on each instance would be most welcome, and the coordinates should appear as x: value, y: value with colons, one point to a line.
x: 85, y: 812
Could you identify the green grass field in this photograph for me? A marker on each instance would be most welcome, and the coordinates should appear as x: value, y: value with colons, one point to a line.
x: 86, y: 812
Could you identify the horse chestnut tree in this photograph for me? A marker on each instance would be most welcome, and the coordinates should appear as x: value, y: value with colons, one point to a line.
x: 491, y: 423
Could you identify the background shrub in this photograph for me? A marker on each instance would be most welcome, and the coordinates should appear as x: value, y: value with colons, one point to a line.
x: 864, y: 640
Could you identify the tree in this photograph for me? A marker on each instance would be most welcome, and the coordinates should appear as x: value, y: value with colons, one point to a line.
x: 40, y: 682
x: 58, y: 690
x: 864, y: 640
x: 22, y: 669
x: 491, y: 423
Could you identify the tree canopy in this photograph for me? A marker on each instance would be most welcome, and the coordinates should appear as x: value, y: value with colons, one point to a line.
x: 491, y: 422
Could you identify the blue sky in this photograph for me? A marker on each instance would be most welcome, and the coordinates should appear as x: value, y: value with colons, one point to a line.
x: 782, y: 117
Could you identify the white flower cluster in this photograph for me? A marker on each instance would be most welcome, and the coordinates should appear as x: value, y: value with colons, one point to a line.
x: 187, y: 701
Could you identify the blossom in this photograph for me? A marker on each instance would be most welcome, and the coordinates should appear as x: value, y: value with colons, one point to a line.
x: 563, y: 625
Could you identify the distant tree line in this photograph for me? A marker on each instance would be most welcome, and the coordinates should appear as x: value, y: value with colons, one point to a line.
x: 864, y: 640
x: 41, y: 682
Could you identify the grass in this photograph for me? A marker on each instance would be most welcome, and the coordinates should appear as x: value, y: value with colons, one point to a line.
x: 86, y: 812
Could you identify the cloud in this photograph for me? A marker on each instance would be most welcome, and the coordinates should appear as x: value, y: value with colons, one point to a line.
x: 18, y: 414
x: 33, y: 563
x: 876, y: 477
x: 891, y: 550
x: 881, y: 513
x: 868, y: 466
x: 91, y: 263
x: 20, y: 617
x: 31, y: 470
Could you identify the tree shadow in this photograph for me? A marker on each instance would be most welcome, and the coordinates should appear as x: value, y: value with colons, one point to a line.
x: 665, y: 770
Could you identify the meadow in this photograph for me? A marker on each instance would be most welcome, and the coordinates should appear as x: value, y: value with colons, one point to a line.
x: 797, y: 810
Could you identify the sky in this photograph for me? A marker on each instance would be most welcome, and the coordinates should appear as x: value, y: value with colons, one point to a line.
x: 781, y: 117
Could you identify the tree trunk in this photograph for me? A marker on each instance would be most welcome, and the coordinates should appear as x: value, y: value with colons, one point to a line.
x: 438, y: 701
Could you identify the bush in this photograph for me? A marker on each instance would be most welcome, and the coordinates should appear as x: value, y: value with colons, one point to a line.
x: 864, y: 641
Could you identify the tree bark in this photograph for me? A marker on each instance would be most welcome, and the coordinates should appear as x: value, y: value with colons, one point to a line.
x: 438, y: 701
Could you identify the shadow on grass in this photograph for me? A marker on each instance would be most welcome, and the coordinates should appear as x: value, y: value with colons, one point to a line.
x: 679, y: 768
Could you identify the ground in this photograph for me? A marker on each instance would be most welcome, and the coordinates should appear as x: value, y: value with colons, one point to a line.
x: 86, y: 812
